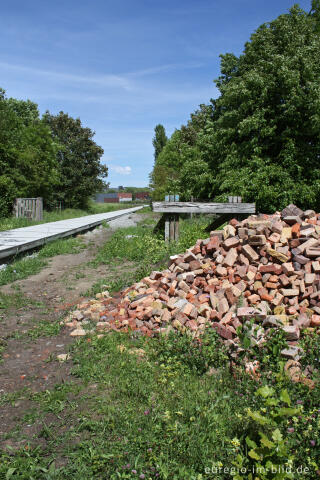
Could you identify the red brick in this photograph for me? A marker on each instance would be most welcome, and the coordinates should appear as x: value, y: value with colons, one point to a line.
x: 223, y: 331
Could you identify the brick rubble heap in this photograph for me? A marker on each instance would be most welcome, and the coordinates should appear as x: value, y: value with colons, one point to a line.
x: 265, y: 267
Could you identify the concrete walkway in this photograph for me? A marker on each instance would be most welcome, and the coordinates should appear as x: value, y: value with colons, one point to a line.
x: 21, y: 239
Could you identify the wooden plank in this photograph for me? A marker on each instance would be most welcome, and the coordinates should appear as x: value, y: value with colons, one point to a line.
x: 215, y: 208
x: 18, y: 240
x: 167, y: 228
x: 171, y: 229
x: 176, y: 228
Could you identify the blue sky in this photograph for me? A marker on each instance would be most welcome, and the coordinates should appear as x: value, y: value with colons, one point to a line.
x: 124, y: 66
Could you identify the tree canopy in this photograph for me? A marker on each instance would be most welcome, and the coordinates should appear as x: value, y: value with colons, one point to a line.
x: 53, y: 157
x: 261, y: 138
x: 78, y: 158
x: 27, y: 154
x: 159, y: 140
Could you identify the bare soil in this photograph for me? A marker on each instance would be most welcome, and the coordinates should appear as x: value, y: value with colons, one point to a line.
x: 31, y: 363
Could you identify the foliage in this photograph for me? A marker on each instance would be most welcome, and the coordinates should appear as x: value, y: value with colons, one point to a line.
x: 78, y: 158
x: 183, y: 351
x: 267, y: 451
x: 178, y: 168
x: 159, y: 140
x: 24, y: 266
x: 261, y: 138
x: 27, y: 154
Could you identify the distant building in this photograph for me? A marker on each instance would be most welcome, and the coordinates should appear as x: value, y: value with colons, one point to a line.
x: 142, y: 196
x: 113, y: 197
x: 125, y: 197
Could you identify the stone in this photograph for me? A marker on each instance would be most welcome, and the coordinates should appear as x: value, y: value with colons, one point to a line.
x: 231, y: 242
x: 63, y: 357
x: 78, y: 332
x: 292, y: 332
x: 292, y: 353
x: 287, y: 268
x: 289, y: 292
x: 278, y: 255
x: 292, y: 210
x: 222, y: 330
x: 248, y: 251
x: 230, y: 258
x: 309, y: 278
x: 257, y: 240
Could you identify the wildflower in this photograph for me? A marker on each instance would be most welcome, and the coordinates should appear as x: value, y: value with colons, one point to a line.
x: 149, y: 450
x: 133, y: 471
x: 290, y: 430
x: 235, y: 442
x: 146, y: 412
x: 312, y: 443
x: 142, y: 476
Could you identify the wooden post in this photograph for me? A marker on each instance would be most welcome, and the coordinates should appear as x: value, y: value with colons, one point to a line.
x: 171, y: 228
x: 38, y: 209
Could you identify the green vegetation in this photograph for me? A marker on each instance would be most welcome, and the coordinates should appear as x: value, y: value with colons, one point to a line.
x: 147, y: 409
x: 24, y: 266
x: 53, y: 157
x: 170, y: 407
x: 144, y: 249
x: 261, y: 138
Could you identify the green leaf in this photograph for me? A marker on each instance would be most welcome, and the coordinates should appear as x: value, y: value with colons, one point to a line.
x: 253, y: 454
x: 251, y: 443
x: 265, y: 441
x: 287, y: 412
x: 257, y: 417
x: 271, y: 402
x: 284, y: 397
x: 265, y: 391
x: 277, y: 435
x: 10, y: 472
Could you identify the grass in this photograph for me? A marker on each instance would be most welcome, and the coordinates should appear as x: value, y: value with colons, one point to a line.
x: 24, y: 266
x: 155, y: 416
x: 144, y: 249
x: 141, y: 408
x: 54, y: 216
x: 15, y: 300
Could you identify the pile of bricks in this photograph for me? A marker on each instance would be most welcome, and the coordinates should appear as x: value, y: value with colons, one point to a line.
x: 265, y: 268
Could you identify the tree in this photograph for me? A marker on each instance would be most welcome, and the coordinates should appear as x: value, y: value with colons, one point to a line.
x: 315, y: 14
x: 159, y: 140
x: 78, y: 158
x: 27, y: 153
x: 179, y: 168
x: 264, y: 140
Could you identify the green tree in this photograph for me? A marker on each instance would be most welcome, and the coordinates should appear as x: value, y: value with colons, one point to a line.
x: 179, y: 167
x: 159, y: 140
x: 78, y: 158
x: 264, y: 140
x: 27, y: 154
x: 315, y: 14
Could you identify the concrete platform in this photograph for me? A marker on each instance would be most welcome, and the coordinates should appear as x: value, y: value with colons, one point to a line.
x: 18, y: 240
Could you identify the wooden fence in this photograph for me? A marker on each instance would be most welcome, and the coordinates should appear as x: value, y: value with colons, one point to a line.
x: 29, y: 208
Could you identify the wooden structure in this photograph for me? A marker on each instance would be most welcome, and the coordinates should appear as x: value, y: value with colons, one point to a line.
x: 18, y: 240
x: 172, y: 209
x: 29, y: 208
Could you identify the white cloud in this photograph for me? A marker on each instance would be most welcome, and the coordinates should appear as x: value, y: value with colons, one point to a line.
x: 120, y: 170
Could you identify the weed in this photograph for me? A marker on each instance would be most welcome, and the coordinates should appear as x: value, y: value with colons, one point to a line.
x: 24, y: 266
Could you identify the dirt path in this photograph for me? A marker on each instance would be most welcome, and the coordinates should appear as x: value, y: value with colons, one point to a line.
x: 32, y: 334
